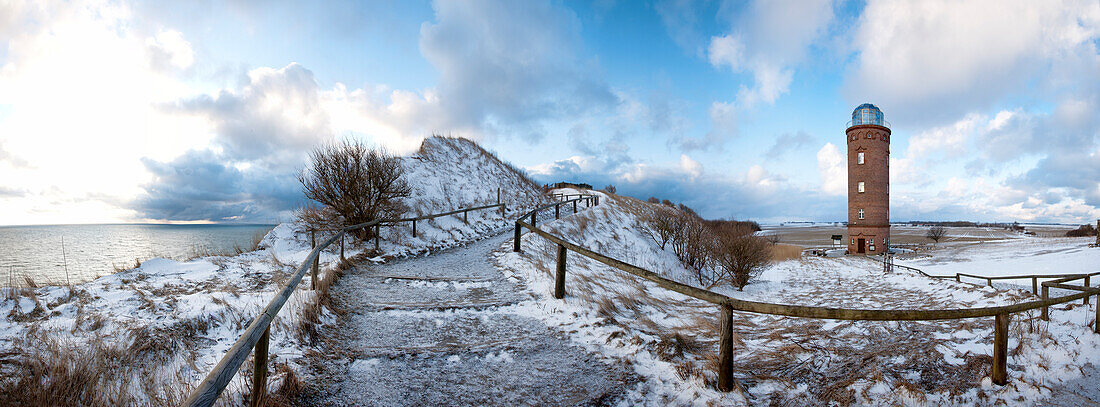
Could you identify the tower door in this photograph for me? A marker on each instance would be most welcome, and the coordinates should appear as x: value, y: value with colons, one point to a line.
x: 861, y: 246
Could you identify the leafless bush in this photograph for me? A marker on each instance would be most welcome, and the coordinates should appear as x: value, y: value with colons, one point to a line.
x: 1084, y: 230
x: 662, y: 224
x: 358, y: 183
x: 693, y: 244
x: 739, y: 255
x: 609, y: 189
x: 935, y: 233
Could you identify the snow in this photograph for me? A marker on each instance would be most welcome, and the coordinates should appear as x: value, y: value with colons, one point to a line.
x: 176, y: 319
x: 808, y: 361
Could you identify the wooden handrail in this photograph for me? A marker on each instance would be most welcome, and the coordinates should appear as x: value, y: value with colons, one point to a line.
x: 728, y: 304
x: 215, y: 382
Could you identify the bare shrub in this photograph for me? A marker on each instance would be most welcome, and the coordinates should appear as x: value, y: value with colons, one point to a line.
x: 740, y: 256
x: 662, y: 224
x: 609, y: 189
x: 936, y: 233
x: 1084, y: 230
x: 653, y: 200
x: 359, y: 184
x: 693, y: 245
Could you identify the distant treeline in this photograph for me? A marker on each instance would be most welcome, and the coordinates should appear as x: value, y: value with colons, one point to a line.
x: 965, y: 223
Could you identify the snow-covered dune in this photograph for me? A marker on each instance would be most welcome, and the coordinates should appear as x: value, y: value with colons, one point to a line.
x: 147, y: 335
x: 671, y: 339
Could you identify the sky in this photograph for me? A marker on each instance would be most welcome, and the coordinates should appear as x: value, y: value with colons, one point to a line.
x: 205, y: 111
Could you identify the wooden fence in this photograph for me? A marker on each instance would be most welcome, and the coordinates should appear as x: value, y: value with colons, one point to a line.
x: 257, y: 333
x: 727, y: 305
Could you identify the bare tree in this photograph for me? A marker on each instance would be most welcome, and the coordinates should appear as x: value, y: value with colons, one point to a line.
x: 741, y: 257
x: 662, y: 224
x: 355, y: 183
x: 653, y: 200
x: 774, y: 238
x: 609, y: 189
x: 936, y: 233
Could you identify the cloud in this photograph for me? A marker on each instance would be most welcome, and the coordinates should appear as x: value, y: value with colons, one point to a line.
x: 169, y: 50
x: 79, y: 109
x: 274, y: 117
x: 723, y: 127
x: 681, y: 18
x: 768, y: 39
x: 510, y: 65
x: 788, y: 142
x: 932, y: 61
x: 833, y: 169
x: 756, y: 193
x: 201, y: 186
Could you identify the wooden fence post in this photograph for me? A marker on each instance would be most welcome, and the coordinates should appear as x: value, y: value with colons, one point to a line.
x: 1000, y: 349
x: 1035, y: 285
x: 342, y: 258
x: 259, y: 370
x: 559, y: 280
x: 534, y: 218
x: 466, y: 216
x: 515, y: 241
x: 725, y: 349
x: 377, y: 233
x: 1086, y: 299
x: 574, y: 206
x: 557, y: 211
x: 313, y: 273
x: 957, y: 279
x: 1046, y: 310
x: 414, y: 227
x: 1096, y: 325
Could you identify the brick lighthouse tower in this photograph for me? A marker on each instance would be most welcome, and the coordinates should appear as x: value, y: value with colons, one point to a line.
x: 868, y: 181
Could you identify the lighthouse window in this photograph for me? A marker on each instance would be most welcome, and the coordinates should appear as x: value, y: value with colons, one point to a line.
x: 859, y: 158
x: 861, y: 213
x: 861, y: 187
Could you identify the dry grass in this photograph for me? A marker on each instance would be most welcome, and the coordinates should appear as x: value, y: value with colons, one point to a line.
x: 783, y: 252
x: 830, y: 359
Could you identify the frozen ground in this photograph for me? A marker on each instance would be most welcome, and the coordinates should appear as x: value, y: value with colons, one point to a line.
x: 146, y: 336
x: 671, y: 340
x: 1022, y: 255
x: 450, y: 329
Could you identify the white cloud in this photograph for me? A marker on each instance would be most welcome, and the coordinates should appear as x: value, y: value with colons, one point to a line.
x: 169, y: 49
x: 82, y: 105
x: 833, y: 169
x: 690, y: 167
x: 769, y: 38
x: 946, y: 141
x: 937, y: 59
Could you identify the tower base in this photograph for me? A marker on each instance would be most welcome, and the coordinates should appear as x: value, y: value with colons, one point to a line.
x: 864, y: 240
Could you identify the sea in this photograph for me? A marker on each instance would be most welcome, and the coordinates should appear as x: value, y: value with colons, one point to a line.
x: 72, y: 254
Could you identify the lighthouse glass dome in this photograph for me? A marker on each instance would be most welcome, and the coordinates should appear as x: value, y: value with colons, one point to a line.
x: 868, y: 114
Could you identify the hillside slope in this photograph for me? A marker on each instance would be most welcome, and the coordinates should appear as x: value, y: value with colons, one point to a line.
x: 146, y: 336
x: 672, y: 339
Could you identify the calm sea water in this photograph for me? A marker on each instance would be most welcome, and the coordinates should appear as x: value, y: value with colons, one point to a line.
x: 91, y: 251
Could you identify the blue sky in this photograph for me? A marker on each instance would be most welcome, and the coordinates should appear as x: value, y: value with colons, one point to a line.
x: 203, y: 111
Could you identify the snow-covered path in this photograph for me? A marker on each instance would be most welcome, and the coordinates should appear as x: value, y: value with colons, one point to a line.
x: 447, y: 329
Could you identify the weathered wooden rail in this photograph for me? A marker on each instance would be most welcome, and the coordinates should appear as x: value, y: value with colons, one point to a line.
x: 256, y: 336
x: 726, y: 304
x: 990, y: 279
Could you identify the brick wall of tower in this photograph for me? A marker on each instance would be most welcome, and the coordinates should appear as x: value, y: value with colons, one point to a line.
x: 874, y: 142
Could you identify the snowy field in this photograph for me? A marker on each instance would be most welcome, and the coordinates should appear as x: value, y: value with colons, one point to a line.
x: 146, y: 336
x: 671, y: 340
